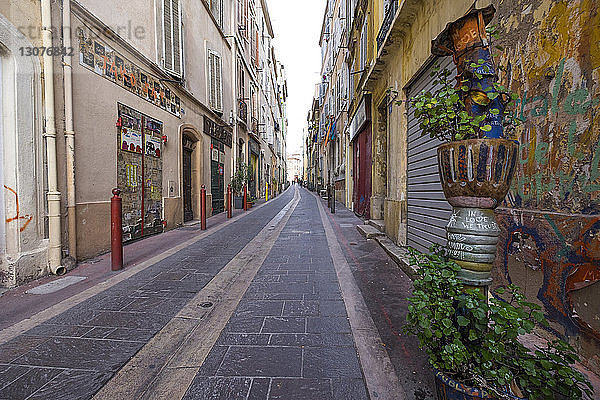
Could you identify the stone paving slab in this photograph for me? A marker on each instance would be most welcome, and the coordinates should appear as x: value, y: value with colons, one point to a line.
x: 289, y: 337
x: 75, y: 353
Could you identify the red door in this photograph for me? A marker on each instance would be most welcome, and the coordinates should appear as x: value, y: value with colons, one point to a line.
x: 362, y: 173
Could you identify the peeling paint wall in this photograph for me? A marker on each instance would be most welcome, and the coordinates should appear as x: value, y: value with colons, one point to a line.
x: 550, y: 243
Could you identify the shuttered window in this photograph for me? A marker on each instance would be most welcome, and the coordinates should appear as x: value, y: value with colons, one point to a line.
x: 215, y: 87
x: 216, y: 7
x: 172, y: 48
x: 363, y: 46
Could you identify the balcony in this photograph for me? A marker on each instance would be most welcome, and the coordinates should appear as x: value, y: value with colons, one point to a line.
x: 390, y: 14
x: 243, y: 111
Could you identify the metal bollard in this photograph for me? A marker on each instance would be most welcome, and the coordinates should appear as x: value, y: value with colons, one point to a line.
x: 116, y: 231
x: 203, y: 208
x: 328, y: 196
x: 229, y: 213
x: 333, y: 199
x: 245, y: 198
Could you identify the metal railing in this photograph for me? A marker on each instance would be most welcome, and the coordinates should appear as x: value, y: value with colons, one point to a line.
x: 390, y: 14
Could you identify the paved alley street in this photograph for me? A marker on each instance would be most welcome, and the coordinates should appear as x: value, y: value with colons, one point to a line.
x: 267, y: 306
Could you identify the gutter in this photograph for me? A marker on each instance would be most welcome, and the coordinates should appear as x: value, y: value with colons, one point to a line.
x: 55, y: 245
x: 69, y: 132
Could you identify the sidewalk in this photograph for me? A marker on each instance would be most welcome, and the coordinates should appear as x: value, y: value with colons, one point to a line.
x: 385, y: 288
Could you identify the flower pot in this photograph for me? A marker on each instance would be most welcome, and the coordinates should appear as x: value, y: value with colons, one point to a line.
x: 477, y: 172
x: 238, y: 202
x: 449, y: 389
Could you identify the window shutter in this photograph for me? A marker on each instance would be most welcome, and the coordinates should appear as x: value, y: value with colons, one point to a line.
x: 176, y: 38
x: 215, y: 89
x: 172, y: 37
x: 218, y: 84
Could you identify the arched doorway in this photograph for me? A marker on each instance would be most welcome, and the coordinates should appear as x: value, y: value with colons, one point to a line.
x: 192, y: 167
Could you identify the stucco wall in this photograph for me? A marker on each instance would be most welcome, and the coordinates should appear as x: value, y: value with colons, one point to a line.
x: 551, y: 218
x: 95, y: 101
x: 23, y: 254
x: 550, y: 242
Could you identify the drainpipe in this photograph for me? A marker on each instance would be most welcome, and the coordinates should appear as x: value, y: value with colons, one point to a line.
x: 69, y: 132
x: 54, y: 246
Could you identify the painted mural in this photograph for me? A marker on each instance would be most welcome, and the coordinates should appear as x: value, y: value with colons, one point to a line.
x: 550, y: 244
x: 98, y: 57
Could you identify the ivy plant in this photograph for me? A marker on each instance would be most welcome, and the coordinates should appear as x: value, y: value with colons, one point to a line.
x: 477, y: 343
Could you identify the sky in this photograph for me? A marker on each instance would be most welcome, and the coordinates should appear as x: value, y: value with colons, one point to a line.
x: 297, y: 26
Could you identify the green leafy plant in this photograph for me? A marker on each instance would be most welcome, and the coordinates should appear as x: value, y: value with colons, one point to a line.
x: 442, y: 113
x: 240, y: 177
x: 477, y: 343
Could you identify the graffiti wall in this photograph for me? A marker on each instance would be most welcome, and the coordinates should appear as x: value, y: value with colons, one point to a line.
x: 550, y: 243
x: 139, y: 172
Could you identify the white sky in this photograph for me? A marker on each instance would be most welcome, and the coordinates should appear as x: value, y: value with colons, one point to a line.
x: 297, y: 26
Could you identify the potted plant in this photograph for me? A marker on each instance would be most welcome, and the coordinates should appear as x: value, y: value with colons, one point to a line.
x: 477, y: 163
x: 238, y: 181
x: 474, y: 345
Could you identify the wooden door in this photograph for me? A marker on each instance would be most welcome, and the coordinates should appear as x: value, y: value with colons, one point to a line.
x: 188, y: 212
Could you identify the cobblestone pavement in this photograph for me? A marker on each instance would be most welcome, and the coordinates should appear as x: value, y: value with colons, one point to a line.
x: 289, y: 337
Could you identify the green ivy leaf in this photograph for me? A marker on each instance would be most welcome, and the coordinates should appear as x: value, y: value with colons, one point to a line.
x: 462, y: 321
x: 486, y: 128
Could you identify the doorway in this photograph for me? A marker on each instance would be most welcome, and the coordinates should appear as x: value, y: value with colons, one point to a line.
x: 188, y: 209
x: 217, y: 176
x: 362, y: 173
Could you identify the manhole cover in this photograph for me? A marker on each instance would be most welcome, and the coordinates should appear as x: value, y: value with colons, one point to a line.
x: 206, y: 304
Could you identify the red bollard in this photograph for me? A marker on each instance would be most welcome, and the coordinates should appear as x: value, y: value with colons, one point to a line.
x: 245, y: 198
x: 116, y: 231
x: 203, y: 208
x: 229, y: 213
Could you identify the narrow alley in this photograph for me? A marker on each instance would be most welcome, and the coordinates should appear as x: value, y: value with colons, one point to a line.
x: 267, y: 306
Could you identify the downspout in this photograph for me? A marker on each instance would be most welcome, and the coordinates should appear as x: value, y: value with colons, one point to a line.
x: 234, y: 106
x: 54, y: 230
x: 69, y: 131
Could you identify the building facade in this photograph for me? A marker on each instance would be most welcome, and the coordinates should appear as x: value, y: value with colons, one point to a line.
x: 550, y: 221
x: 154, y: 99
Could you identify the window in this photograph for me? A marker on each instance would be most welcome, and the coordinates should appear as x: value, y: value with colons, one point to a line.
x: 215, y: 87
x: 171, y: 30
x: 363, y: 46
x: 243, y: 17
x: 216, y: 7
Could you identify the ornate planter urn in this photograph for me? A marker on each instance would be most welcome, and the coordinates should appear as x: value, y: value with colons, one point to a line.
x: 475, y: 176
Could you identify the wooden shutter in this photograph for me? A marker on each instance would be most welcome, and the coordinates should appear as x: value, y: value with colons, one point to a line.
x: 172, y: 37
x: 215, y: 89
x: 218, y: 84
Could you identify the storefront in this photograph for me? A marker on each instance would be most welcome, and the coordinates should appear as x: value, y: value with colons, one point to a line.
x: 254, y: 159
x: 360, y: 137
x: 220, y: 137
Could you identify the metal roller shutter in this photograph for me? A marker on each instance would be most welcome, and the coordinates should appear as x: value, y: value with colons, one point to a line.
x: 428, y: 210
